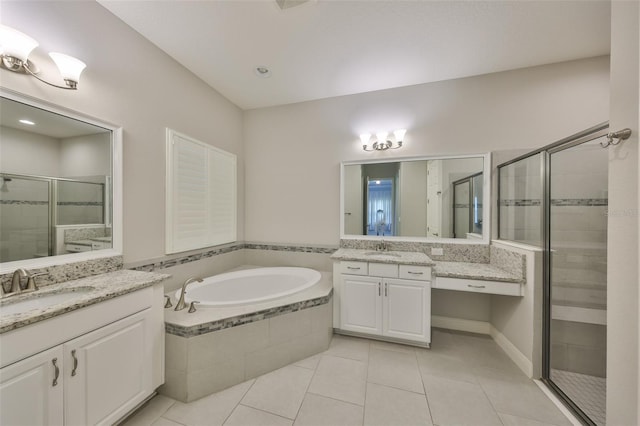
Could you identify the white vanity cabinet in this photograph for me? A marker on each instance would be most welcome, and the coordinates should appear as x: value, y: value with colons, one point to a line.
x: 94, y: 378
x: 387, y: 300
x: 32, y: 391
x: 106, y: 371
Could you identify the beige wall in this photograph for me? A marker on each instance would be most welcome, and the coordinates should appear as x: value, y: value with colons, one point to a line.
x: 623, y: 296
x: 293, y: 152
x: 131, y: 83
x: 37, y: 150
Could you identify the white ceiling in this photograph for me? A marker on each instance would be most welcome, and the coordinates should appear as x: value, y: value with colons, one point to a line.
x: 46, y: 123
x: 326, y: 48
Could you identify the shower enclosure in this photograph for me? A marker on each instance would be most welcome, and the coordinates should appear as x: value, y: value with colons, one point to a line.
x: 556, y: 198
x: 32, y: 208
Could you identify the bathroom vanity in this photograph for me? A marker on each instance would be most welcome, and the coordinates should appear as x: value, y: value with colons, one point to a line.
x: 385, y: 295
x: 89, y: 356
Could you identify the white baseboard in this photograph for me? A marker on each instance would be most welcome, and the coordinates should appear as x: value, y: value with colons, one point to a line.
x: 459, y: 324
x: 514, y: 353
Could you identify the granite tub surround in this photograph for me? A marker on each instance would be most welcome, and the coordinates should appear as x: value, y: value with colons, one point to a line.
x: 476, y: 253
x: 69, y: 271
x: 88, y: 291
x: 215, y: 348
x: 389, y: 256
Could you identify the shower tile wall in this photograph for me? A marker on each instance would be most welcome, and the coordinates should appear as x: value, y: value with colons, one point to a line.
x: 24, y: 209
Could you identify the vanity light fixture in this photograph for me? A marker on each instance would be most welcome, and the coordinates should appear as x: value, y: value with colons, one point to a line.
x: 382, y: 142
x: 16, y: 47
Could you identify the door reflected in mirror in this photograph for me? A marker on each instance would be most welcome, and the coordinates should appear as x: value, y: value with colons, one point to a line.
x: 55, y: 176
x: 423, y: 198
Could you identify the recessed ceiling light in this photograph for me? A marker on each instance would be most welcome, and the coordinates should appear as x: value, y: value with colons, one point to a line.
x: 28, y: 122
x: 263, y: 72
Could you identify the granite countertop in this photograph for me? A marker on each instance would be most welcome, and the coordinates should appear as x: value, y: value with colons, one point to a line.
x: 475, y: 271
x: 400, y: 257
x: 467, y: 270
x: 90, y: 290
x: 89, y: 241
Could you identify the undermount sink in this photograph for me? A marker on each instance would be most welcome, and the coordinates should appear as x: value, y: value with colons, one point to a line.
x: 382, y: 253
x: 39, y: 301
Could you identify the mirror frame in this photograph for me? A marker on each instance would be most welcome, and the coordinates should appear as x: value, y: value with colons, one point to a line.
x: 486, y: 203
x: 117, y: 192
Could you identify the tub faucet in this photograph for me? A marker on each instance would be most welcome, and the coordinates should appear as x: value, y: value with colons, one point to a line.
x: 181, y: 304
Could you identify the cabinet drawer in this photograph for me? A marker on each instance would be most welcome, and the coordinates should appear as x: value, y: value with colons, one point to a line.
x: 411, y: 272
x: 354, y: 268
x: 479, y: 286
x: 77, y: 248
x: 386, y: 270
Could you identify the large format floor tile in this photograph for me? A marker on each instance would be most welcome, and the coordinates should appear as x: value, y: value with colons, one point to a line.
x: 390, y: 406
x: 318, y: 410
x: 464, y: 379
x: 395, y: 369
x: 280, y: 392
x: 211, y: 410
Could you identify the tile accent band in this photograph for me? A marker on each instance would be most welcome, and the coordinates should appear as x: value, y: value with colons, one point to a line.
x: 209, y: 327
x: 150, y: 267
x: 559, y: 202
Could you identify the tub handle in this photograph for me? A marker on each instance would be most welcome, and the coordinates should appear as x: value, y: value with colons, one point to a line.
x: 167, y: 303
x: 192, y: 306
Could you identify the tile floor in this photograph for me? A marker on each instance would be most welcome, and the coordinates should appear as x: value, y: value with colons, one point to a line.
x: 465, y: 379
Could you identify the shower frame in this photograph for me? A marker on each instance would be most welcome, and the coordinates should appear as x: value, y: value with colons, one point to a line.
x: 53, y: 201
x: 590, y: 134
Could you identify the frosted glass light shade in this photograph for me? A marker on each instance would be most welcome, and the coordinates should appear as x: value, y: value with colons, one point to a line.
x: 16, y: 44
x: 365, y: 137
x: 399, y: 134
x: 382, y: 136
x: 69, y: 67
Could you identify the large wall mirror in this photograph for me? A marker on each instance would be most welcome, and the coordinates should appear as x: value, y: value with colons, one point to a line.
x: 60, y: 185
x: 426, y: 198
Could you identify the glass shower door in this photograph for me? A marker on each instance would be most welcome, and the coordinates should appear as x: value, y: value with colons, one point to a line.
x: 26, y: 215
x: 578, y: 276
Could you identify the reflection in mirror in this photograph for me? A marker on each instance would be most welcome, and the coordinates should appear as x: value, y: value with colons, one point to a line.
x: 428, y: 198
x: 55, y: 176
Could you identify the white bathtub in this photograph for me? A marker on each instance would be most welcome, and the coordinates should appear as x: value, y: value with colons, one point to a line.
x: 250, y: 286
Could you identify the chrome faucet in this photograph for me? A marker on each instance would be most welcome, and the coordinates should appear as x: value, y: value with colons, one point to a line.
x: 382, y: 246
x: 16, y: 280
x: 181, y: 304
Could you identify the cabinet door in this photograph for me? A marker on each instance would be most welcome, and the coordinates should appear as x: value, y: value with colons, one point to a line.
x: 361, y: 304
x: 108, y: 371
x: 31, y: 390
x: 407, y: 309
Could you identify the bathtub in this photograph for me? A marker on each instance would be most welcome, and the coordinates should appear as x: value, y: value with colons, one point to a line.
x: 248, y: 322
x: 250, y: 286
